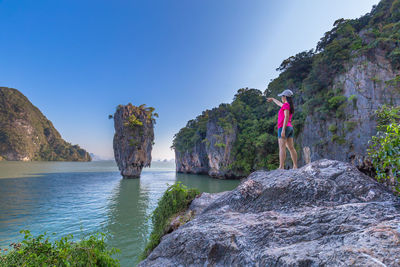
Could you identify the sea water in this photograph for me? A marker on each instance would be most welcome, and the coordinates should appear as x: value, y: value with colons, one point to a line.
x: 81, y: 198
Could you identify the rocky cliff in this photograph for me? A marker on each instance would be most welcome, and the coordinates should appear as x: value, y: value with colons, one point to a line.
x: 326, y: 213
x: 354, y: 69
x: 26, y: 134
x: 133, y: 138
x: 367, y: 85
x: 211, y: 154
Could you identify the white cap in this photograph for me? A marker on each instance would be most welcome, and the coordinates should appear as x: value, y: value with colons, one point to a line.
x: 287, y: 92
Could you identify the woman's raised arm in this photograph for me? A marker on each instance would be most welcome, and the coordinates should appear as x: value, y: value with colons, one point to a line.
x: 279, y: 103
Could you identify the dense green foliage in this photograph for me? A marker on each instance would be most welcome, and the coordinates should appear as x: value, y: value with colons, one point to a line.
x: 384, y: 149
x: 39, y: 251
x: 310, y: 75
x: 140, y: 115
x: 25, y: 131
x: 255, y: 146
x: 255, y: 119
x: 176, y: 198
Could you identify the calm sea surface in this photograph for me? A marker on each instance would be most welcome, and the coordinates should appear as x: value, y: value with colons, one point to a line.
x: 85, y: 197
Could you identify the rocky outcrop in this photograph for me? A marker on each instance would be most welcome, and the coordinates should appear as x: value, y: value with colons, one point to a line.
x: 219, y: 144
x: 211, y: 155
x: 192, y: 161
x: 367, y: 84
x: 326, y: 213
x: 133, y: 138
x: 26, y: 134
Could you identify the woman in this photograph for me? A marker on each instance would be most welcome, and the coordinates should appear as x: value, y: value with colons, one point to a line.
x: 285, y: 128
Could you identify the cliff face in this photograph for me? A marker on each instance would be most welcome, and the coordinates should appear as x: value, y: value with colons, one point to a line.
x: 367, y: 84
x: 326, y: 213
x: 212, y: 154
x: 133, y: 139
x: 26, y: 134
x: 194, y: 161
x: 219, y: 144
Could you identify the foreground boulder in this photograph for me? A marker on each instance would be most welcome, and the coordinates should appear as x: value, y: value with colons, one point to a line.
x: 325, y: 214
x: 133, y: 138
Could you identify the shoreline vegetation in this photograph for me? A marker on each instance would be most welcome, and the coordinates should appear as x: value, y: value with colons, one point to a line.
x: 176, y: 199
x: 91, y: 250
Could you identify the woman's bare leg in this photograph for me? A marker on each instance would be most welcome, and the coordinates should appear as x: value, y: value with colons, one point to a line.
x: 292, y: 150
x: 282, y: 152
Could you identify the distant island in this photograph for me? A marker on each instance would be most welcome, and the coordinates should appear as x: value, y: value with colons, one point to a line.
x: 27, y: 135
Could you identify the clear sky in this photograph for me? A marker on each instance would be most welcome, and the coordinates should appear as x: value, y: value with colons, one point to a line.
x: 76, y: 60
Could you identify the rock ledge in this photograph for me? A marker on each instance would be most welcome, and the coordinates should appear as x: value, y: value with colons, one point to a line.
x: 326, y: 213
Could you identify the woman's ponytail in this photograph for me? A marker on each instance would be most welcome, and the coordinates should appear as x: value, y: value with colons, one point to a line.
x: 290, y: 101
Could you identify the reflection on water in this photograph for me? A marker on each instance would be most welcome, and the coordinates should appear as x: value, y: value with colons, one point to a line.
x: 88, y: 197
x: 130, y: 204
x: 205, y: 183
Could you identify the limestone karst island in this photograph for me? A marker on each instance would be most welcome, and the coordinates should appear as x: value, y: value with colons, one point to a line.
x: 200, y: 133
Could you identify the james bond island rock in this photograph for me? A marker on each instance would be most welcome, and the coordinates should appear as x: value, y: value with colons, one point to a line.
x: 26, y: 134
x: 354, y: 70
x: 326, y: 213
x: 133, y: 138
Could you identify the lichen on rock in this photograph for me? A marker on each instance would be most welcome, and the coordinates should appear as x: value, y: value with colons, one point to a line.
x: 133, y: 138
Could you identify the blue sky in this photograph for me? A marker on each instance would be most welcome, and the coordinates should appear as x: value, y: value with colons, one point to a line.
x: 77, y: 60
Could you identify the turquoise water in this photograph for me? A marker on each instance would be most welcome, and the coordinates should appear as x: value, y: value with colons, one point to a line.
x: 85, y: 197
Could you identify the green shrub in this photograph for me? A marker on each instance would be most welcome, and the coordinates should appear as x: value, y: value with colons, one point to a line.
x: 394, y: 57
x: 39, y: 251
x: 340, y: 112
x: 386, y: 115
x: 393, y: 82
x: 219, y: 145
x: 335, y: 101
x: 350, y: 126
x: 176, y: 198
x: 353, y: 98
x: 384, y: 148
x: 332, y: 128
x: 376, y: 79
x: 338, y: 139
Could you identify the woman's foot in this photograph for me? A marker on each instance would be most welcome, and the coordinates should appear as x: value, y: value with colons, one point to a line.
x: 294, y: 167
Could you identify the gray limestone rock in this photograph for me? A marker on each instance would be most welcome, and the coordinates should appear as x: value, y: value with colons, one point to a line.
x: 326, y: 213
x: 133, y: 139
x: 367, y: 85
x: 211, y: 156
